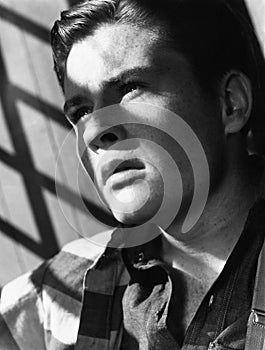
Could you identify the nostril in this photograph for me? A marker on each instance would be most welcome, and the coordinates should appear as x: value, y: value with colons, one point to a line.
x: 106, y: 138
x: 109, y: 137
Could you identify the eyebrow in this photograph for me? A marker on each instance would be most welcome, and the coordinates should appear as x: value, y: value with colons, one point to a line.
x: 131, y: 72
x: 79, y: 99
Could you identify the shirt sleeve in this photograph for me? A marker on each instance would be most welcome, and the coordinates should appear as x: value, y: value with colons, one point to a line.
x: 21, y: 313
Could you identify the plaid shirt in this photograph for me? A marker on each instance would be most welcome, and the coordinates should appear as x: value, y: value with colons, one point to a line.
x: 74, y: 301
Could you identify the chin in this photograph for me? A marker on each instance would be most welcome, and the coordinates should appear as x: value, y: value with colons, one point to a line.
x: 133, y: 219
x: 135, y: 202
x: 138, y: 211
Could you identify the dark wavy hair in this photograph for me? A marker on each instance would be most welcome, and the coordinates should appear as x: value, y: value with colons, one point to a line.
x: 216, y: 36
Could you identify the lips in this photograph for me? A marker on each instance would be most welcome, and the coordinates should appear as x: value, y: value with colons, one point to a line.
x: 121, y: 166
x: 132, y: 164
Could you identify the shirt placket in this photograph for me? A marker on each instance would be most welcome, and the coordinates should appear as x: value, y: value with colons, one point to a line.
x: 96, y: 314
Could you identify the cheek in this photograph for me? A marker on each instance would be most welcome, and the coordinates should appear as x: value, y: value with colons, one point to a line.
x: 203, y: 114
x: 196, y: 107
x: 86, y: 157
x: 86, y: 161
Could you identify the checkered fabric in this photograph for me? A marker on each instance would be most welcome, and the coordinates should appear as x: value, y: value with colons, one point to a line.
x: 43, y: 310
x: 74, y: 301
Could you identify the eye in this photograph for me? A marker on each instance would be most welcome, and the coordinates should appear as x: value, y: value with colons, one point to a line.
x: 130, y: 87
x: 80, y: 113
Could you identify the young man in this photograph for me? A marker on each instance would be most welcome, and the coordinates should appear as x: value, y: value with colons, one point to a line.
x: 199, y: 60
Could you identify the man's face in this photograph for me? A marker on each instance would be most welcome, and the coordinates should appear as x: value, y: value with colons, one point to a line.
x: 121, y: 65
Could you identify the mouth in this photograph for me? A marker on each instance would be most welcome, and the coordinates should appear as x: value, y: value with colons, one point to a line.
x: 132, y: 164
x: 118, y: 168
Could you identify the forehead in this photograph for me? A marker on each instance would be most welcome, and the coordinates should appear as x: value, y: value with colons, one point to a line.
x: 109, y: 50
x: 114, y: 48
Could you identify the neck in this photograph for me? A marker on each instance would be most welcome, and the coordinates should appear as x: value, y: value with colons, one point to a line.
x: 203, y: 252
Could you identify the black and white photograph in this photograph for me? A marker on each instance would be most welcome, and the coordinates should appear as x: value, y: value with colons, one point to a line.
x: 132, y: 174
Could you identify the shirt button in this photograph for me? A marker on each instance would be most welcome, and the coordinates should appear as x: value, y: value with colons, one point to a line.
x: 139, y: 257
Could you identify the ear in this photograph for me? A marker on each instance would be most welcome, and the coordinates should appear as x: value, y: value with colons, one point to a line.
x: 236, y: 102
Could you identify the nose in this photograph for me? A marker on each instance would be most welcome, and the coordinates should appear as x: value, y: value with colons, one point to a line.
x: 105, y: 127
x: 108, y: 138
